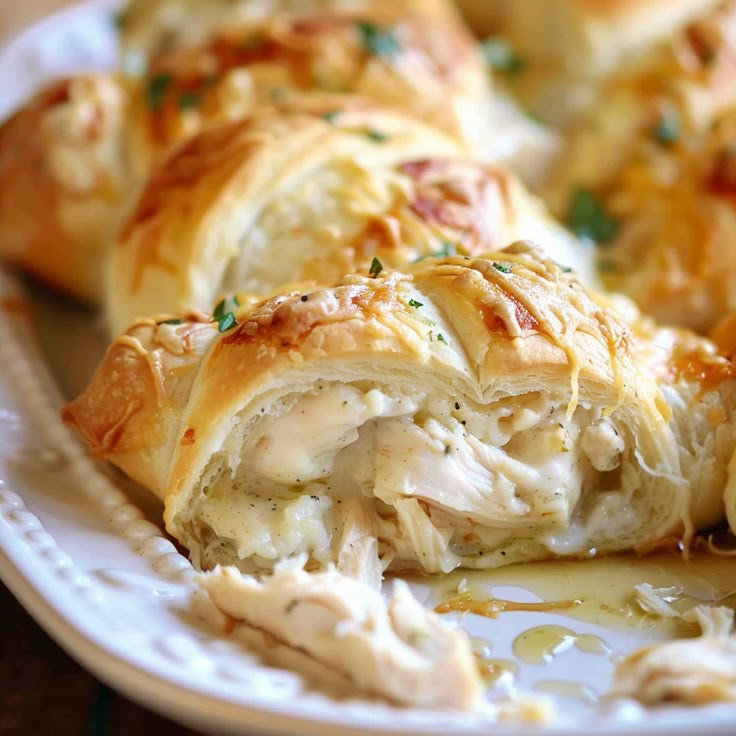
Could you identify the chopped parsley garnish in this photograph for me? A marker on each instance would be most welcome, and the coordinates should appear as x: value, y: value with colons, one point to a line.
x: 120, y: 20
x: 668, y: 128
x: 171, y: 322
x: 708, y: 56
x: 379, y: 41
x: 501, y: 56
x: 189, y: 100
x: 448, y: 249
x: 224, y: 306
x: 226, y: 322
x: 605, y: 266
x: 414, y: 303
x: 588, y: 218
x: 156, y: 90
x: 278, y: 94
x: 252, y: 43
x: 376, y: 267
x: 331, y: 117
x: 502, y: 267
x: 441, y: 338
x: 376, y: 135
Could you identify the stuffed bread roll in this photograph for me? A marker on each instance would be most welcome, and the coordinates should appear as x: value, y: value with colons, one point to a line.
x: 78, y: 155
x: 668, y: 221
x: 465, y: 412
x: 556, y: 54
x: 312, y: 194
x: 417, y: 57
x: 675, y: 92
x: 151, y: 30
x: 649, y: 176
x: 68, y: 164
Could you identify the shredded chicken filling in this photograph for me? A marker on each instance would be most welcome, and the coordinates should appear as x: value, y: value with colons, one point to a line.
x: 442, y: 480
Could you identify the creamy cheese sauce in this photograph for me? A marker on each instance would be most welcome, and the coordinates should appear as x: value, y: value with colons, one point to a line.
x: 443, y: 482
x: 270, y: 527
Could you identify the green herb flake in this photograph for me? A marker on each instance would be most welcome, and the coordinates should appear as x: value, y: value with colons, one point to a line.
x: 156, y: 90
x: 379, y: 41
x: 502, y: 267
x: 189, y: 100
x: 708, y: 57
x: 376, y: 268
x: 253, y: 43
x: 120, y: 20
x: 224, y: 306
x: 501, y: 56
x: 171, y: 322
x: 448, y: 249
x: 331, y: 117
x: 376, y: 135
x: 441, y: 338
x: 226, y: 322
x: 278, y: 94
x: 605, y: 266
x: 414, y: 303
x: 669, y: 127
x: 588, y: 218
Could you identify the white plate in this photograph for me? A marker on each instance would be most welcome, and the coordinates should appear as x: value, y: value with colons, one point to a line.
x: 84, y: 552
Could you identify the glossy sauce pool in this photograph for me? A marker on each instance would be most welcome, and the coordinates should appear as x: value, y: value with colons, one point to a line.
x: 573, y: 616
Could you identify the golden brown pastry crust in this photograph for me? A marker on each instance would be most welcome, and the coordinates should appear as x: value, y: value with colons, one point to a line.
x: 658, y: 158
x: 87, y: 146
x: 155, y: 29
x: 507, y: 326
x: 491, y: 15
x: 673, y: 252
x: 64, y: 181
x: 688, y: 78
x: 567, y: 47
x: 419, y: 59
x: 328, y: 183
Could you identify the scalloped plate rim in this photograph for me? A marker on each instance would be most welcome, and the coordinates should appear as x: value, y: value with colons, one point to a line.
x: 168, y: 692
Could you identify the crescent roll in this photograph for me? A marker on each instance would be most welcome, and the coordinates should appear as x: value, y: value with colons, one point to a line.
x: 150, y: 30
x: 651, y: 178
x: 72, y: 162
x: 555, y: 54
x: 461, y: 412
x: 312, y: 194
x: 68, y: 164
x: 675, y: 226
x: 676, y: 91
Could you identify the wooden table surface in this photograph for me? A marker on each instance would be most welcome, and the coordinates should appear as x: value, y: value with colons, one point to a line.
x: 15, y: 14
x: 42, y: 690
